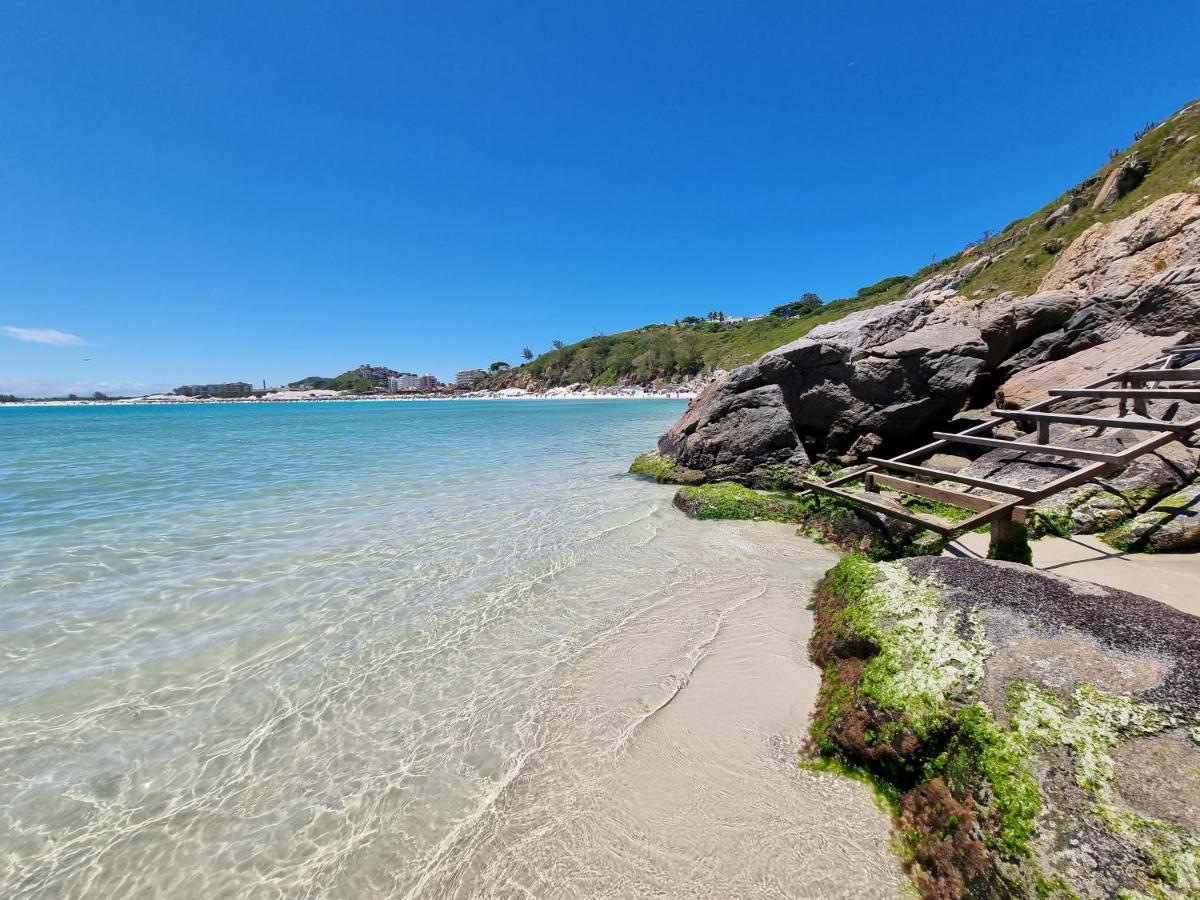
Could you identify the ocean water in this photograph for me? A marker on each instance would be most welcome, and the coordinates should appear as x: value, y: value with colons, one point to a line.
x: 408, y: 649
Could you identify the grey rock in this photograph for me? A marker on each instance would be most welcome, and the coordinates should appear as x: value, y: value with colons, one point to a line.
x: 903, y: 369
x: 1057, y: 216
x: 1106, y: 680
x: 1171, y: 525
x: 1120, y: 181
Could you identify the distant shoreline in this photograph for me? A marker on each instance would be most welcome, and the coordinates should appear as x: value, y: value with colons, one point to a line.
x: 253, y: 401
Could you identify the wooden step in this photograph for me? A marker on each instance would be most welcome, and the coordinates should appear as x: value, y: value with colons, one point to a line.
x: 1191, y: 395
x: 1135, y: 422
x: 883, y: 508
x: 1022, y: 447
x: 932, y: 492
x: 929, y: 472
x: 996, y: 512
x: 1159, y: 375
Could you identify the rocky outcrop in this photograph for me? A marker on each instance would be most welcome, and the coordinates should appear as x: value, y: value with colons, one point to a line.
x: 1120, y: 181
x: 821, y: 518
x: 1129, y: 250
x: 1041, y: 734
x: 882, y: 379
x: 891, y: 372
x: 1166, y: 306
x: 1031, y: 383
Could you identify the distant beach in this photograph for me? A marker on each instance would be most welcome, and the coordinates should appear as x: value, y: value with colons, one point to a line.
x: 318, y: 396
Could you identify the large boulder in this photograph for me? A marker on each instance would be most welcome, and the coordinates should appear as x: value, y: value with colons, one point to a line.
x: 892, y: 371
x: 1042, y: 734
x: 1031, y: 382
x: 1120, y: 181
x: 1165, y: 306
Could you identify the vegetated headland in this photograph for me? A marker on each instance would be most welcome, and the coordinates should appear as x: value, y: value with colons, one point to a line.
x: 1036, y: 736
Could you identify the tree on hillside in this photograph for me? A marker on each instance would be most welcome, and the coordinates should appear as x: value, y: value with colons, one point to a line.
x: 527, y: 353
x: 499, y: 366
x: 557, y: 345
x: 688, y: 360
x: 808, y: 304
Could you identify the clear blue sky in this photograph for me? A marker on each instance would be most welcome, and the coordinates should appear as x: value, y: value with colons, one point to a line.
x: 215, y: 190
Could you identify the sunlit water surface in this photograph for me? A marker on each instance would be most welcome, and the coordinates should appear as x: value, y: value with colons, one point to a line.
x: 399, y: 649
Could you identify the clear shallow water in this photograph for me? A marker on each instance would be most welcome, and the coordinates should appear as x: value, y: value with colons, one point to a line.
x: 398, y: 649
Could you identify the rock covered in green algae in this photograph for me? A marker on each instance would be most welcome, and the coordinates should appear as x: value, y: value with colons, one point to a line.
x: 1023, y: 719
x: 663, y: 469
x: 1172, y: 524
x: 729, y: 500
x: 821, y: 518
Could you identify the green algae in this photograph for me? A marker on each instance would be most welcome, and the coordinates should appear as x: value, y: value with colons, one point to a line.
x: 1100, y: 721
x: 1051, y: 520
x: 926, y: 667
x: 730, y: 500
x: 1001, y: 757
x: 653, y: 464
x: 885, y: 794
x: 1012, y: 546
x: 922, y: 665
x: 781, y: 477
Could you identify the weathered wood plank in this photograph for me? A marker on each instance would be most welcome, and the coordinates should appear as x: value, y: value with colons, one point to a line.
x: 1162, y: 375
x: 1191, y: 395
x: 1005, y: 509
x: 933, y: 492
x: 1021, y: 447
x: 1135, y: 422
x: 941, y: 475
x: 883, y: 508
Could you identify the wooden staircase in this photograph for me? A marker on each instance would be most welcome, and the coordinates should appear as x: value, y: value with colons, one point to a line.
x: 1008, y: 504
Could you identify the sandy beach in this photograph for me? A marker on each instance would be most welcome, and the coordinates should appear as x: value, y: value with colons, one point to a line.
x: 1173, y: 579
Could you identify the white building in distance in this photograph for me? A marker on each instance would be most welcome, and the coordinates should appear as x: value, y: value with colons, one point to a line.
x: 408, y: 381
x: 465, y: 380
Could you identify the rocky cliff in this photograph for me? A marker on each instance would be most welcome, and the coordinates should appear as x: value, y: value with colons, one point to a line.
x: 881, y: 380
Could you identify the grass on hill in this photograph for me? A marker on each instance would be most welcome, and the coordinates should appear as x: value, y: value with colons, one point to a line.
x: 1174, y: 168
x: 669, y: 353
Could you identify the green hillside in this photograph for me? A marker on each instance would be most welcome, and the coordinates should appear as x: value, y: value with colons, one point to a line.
x: 656, y: 354
x: 352, y: 382
x: 666, y: 353
x: 1169, y: 150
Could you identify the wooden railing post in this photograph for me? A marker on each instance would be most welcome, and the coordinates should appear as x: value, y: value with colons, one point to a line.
x: 1010, y: 541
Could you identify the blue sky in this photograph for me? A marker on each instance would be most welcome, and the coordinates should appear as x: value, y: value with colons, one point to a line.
x: 215, y: 191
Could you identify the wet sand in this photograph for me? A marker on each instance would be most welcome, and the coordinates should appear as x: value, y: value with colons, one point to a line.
x: 1173, y: 579
x: 704, y: 795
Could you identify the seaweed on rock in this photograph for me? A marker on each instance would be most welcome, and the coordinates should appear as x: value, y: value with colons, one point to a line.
x: 905, y: 657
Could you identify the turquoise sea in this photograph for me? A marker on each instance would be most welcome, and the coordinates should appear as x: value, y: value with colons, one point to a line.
x: 347, y: 649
